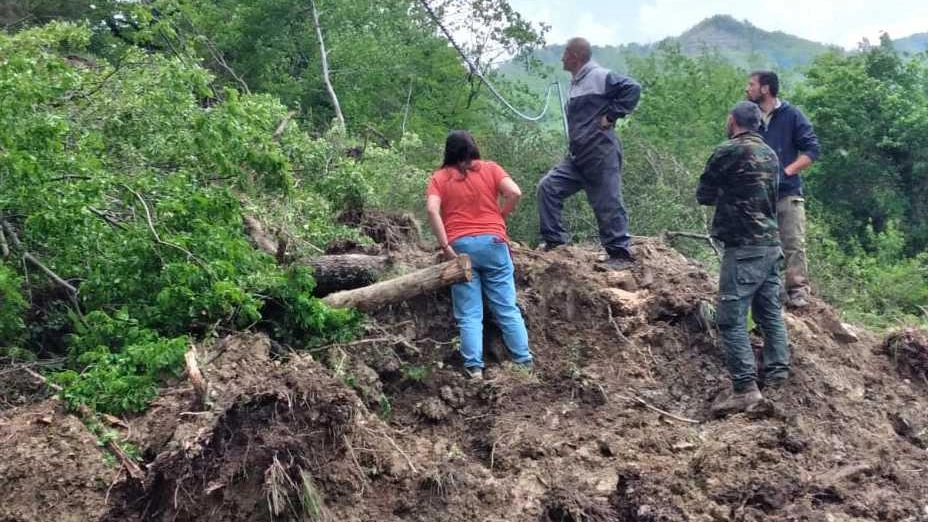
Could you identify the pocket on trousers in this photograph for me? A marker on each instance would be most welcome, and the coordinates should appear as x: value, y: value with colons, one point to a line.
x: 728, y: 311
x: 750, y: 271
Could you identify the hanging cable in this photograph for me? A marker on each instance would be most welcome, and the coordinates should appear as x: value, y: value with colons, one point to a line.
x: 476, y: 72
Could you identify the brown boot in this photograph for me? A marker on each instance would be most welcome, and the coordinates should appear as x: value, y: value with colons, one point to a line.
x: 729, y: 401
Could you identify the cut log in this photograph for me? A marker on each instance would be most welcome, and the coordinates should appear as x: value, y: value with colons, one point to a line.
x: 403, y: 287
x: 346, y: 271
x: 332, y: 273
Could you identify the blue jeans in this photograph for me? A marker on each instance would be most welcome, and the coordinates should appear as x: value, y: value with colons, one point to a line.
x: 493, y: 275
x: 749, y: 278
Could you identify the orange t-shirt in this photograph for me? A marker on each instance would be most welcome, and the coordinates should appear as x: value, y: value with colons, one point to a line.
x: 470, y: 204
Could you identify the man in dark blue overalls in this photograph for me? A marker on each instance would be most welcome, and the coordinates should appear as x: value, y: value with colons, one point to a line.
x: 598, y: 97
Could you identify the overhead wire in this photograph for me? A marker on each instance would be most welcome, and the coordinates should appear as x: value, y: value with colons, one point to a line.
x: 473, y: 69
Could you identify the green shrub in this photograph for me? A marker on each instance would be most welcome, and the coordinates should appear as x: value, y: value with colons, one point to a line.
x: 12, y: 307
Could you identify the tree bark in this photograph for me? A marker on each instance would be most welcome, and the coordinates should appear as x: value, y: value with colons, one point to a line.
x: 332, y: 273
x: 325, y: 66
x: 403, y: 287
x: 346, y: 271
x: 258, y: 236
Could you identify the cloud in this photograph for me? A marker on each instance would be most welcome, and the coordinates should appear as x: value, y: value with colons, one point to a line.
x: 839, y: 22
x: 597, y: 32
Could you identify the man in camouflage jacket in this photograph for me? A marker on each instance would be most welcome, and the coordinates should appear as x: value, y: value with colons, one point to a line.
x: 741, y: 180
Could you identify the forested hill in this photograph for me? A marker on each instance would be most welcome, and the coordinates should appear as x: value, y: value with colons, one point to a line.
x: 170, y: 170
x: 738, y: 41
x: 915, y: 43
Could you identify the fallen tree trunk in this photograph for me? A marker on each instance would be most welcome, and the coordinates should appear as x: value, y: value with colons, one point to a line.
x: 403, y: 287
x: 332, y: 273
x: 345, y: 272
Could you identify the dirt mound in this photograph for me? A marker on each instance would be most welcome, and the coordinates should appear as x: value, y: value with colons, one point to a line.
x: 18, y: 388
x: 909, y: 350
x: 275, y: 442
x: 51, y: 467
x: 612, y: 426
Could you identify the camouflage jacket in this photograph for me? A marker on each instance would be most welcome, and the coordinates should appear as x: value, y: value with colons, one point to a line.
x: 741, y: 179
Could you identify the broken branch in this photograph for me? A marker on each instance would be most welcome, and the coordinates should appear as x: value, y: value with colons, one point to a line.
x: 693, y: 235
x: 651, y: 407
x: 38, y: 264
x: 279, y: 131
x: 195, y: 376
x: 151, y: 227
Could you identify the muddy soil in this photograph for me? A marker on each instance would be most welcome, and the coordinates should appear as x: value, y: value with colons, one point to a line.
x: 51, y: 467
x: 613, y: 425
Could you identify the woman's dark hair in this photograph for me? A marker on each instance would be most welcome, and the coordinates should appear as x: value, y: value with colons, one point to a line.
x: 460, y: 151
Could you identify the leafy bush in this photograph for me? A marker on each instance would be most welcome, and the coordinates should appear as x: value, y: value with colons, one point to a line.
x: 122, y: 363
x: 12, y: 307
x: 872, y: 283
x: 122, y: 180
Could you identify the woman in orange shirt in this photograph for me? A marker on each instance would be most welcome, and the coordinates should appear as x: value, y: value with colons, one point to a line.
x: 467, y: 217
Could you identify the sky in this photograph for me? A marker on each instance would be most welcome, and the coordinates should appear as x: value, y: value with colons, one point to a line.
x: 613, y: 22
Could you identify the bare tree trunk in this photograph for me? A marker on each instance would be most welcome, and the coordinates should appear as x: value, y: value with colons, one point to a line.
x: 325, y: 66
x: 334, y: 273
x: 403, y: 287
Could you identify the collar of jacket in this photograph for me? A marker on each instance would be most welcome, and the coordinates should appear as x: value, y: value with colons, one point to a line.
x: 745, y: 134
x: 587, y: 67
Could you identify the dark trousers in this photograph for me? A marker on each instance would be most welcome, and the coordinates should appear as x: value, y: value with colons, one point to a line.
x: 599, y: 174
x: 750, y: 279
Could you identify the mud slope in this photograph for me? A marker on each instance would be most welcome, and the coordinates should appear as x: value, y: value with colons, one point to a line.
x: 613, y: 426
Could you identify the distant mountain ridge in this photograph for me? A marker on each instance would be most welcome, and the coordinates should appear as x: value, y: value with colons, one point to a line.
x: 915, y: 43
x: 748, y: 45
x: 739, y: 41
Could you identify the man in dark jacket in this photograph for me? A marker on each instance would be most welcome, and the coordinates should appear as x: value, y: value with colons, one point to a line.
x: 598, y: 97
x: 790, y: 135
x: 741, y: 179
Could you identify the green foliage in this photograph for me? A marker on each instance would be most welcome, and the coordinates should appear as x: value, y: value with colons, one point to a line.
x: 877, y: 284
x: 12, y: 307
x: 870, y: 111
x: 390, y: 70
x: 122, y: 363
x: 416, y: 373
x: 126, y: 183
x: 305, y: 318
x: 386, y: 408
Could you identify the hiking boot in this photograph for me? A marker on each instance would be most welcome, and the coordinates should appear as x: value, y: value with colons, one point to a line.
x: 527, y: 367
x: 730, y: 401
x: 622, y: 261
x: 474, y: 373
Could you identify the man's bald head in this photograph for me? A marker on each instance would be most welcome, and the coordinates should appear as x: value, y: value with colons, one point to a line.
x: 577, y: 53
x: 581, y: 48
